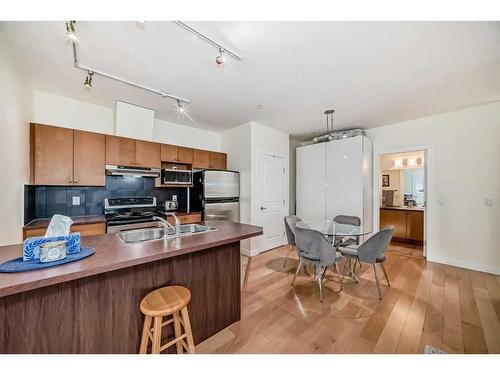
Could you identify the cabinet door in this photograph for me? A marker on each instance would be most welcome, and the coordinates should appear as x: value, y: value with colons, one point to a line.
x: 217, y: 160
x: 147, y: 154
x: 89, y: 159
x: 52, y: 155
x: 169, y: 153
x: 415, y: 225
x: 201, y: 159
x: 396, y: 218
x: 120, y: 151
x: 185, y: 155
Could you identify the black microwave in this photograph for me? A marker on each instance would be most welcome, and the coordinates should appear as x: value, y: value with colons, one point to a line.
x: 177, y: 177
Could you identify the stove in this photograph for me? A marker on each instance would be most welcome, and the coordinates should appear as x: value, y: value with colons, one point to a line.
x: 130, y: 213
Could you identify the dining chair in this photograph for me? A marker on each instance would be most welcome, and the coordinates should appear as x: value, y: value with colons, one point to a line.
x: 346, y: 241
x: 314, y: 248
x: 372, y: 252
x: 290, y: 222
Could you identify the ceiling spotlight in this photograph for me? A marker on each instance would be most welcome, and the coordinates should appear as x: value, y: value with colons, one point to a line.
x: 88, y: 80
x: 140, y: 23
x: 180, y: 108
x: 220, y: 59
x: 70, y: 32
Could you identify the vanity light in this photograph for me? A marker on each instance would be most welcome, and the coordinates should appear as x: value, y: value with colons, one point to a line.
x: 398, y: 163
x: 411, y: 162
x: 88, y: 80
x: 70, y: 32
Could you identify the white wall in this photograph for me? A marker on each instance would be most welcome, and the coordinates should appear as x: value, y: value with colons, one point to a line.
x: 76, y: 114
x: 463, y: 169
x: 293, y: 174
x: 243, y: 144
x: 16, y: 100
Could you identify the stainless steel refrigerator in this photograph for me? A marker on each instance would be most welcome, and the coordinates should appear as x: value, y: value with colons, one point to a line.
x: 217, y: 194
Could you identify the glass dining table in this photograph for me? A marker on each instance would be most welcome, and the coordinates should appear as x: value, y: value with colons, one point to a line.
x: 337, y: 234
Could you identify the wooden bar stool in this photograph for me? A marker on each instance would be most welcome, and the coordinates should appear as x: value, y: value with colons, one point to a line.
x: 165, y: 302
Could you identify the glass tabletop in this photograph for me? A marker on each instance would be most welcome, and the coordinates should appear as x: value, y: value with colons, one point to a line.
x: 334, y: 229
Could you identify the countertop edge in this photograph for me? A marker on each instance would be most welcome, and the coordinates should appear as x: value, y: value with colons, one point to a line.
x: 31, y: 285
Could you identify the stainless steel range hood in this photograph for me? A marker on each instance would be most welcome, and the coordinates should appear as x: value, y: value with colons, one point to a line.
x: 118, y: 170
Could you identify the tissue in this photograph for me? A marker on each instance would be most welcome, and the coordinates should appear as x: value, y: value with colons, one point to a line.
x: 59, y: 226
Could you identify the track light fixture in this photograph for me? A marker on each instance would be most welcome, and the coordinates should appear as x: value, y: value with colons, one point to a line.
x: 88, y: 80
x: 180, y: 107
x: 70, y: 32
x: 220, y: 59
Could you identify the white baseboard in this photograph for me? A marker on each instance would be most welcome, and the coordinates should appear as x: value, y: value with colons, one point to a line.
x: 464, y: 264
x: 249, y: 253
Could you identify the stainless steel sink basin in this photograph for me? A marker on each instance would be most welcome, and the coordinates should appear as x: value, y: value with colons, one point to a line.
x: 149, y: 234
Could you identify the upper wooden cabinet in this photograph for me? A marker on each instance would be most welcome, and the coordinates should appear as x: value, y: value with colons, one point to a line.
x: 61, y: 156
x: 132, y: 152
x: 147, y: 154
x: 218, y: 160
x: 209, y: 159
x: 176, y: 154
x: 89, y: 158
x: 120, y: 151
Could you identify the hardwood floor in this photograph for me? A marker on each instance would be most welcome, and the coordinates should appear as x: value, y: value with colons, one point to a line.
x: 450, y: 308
x: 407, y: 249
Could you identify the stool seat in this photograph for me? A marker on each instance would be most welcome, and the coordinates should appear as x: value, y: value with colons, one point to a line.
x: 165, y: 301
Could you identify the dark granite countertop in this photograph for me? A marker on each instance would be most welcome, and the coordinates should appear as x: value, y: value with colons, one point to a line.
x: 112, y: 254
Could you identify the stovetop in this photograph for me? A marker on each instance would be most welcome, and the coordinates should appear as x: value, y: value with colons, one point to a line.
x: 127, y: 210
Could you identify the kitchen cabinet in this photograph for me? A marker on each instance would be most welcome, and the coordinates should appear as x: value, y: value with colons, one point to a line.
x: 176, y: 154
x: 147, y: 154
x: 89, y: 158
x: 415, y: 225
x: 408, y: 224
x: 187, y: 218
x: 61, y: 156
x: 217, y: 160
x: 83, y: 229
x: 120, y: 151
x: 201, y: 159
x: 132, y: 152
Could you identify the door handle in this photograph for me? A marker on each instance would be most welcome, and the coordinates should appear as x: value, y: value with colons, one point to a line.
x: 263, y: 208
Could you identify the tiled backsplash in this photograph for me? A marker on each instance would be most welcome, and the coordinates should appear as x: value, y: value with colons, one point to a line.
x: 45, y: 201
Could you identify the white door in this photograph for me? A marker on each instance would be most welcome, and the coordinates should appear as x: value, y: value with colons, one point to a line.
x: 271, y: 202
x: 311, y: 183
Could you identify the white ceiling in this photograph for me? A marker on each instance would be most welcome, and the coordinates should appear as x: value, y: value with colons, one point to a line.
x: 372, y: 73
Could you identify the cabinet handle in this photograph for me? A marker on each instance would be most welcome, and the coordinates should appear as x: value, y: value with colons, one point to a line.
x: 70, y: 180
x: 76, y: 181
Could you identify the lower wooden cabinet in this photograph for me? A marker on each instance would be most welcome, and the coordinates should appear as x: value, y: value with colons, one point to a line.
x: 84, y: 229
x: 408, y: 225
x: 191, y: 218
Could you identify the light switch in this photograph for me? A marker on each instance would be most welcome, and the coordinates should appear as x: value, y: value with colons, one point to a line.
x: 488, y: 202
x: 76, y: 201
x: 174, y: 198
x: 441, y: 202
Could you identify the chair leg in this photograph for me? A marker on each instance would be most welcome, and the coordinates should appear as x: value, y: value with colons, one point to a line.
x: 341, y: 277
x: 385, y: 273
x: 354, y: 268
x: 178, y: 332
x: 297, y: 272
x: 145, y: 335
x: 187, y: 330
x: 359, y: 262
x: 156, y: 334
x: 318, y: 276
x: 377, y: 280
x: 323, y: 274
x: 287, y: 255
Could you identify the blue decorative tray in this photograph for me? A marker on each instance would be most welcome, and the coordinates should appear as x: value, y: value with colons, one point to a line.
x: 18, y: 265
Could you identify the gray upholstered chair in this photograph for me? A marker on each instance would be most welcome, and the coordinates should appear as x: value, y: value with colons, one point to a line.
x: 290, y: 222
x: 314, y: 248
x: 372, y: 252
x: 349, y: 220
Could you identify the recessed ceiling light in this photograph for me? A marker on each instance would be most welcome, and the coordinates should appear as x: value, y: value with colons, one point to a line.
x: 140, y: 23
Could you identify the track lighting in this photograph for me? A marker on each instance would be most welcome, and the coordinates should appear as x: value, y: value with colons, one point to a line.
x: 70, y: 32
x: 220, y: 59
x: 88, y: 80
x: 180, y: 108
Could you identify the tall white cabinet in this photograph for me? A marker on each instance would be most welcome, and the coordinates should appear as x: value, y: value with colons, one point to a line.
x: 335, y: 178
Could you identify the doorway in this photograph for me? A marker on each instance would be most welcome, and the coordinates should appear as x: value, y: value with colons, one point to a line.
x: 401, y: 201
x: 271, y: 201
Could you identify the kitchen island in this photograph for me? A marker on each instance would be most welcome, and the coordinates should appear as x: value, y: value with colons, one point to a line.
x: 92, y: 305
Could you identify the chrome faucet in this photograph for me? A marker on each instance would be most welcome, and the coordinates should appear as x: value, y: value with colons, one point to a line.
x: 177, y: 224
x: 165, y: 225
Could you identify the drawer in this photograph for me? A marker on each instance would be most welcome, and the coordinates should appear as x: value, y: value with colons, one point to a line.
x: 84, y: 229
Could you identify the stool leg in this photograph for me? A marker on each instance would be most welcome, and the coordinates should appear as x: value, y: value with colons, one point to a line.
x: 156, y: 335
x: 145, y: 337
x: 187, y: 328
x: 178, y: 332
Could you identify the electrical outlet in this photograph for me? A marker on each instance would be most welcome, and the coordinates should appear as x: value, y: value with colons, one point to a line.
x: 76, y: 201
x: 174, y: 198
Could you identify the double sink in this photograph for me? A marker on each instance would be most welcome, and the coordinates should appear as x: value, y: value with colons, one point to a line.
x: 156, y: 233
